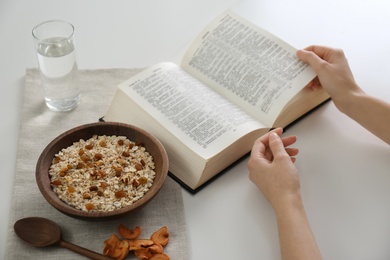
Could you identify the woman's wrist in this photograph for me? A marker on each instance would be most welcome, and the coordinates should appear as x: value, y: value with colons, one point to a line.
x: 288, y: 204
x: 345, y: 101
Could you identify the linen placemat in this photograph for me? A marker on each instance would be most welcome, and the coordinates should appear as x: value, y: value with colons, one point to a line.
x: 39, y: 126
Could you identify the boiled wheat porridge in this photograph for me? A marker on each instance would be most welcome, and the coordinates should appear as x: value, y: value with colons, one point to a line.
x: 103, y: 173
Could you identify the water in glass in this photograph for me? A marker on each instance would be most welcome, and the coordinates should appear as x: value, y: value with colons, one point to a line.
x: 59, y: 72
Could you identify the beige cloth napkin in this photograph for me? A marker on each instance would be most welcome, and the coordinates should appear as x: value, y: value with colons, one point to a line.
x: 39, y: 126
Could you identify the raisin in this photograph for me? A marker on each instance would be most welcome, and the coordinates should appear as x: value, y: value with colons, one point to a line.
x: 88, y: 146
x: 56, y: 182
x: 80, y: 165
x: 126, y: 154
x: 101, y: 174
x: 63, y: 172
x: 89, y: 206
x: 117, y: 168
x: 86, y: 196
x: 81, y: 152
x: 135, y: 183
x: 56, y: 159
x: 120, y: 194
x: 85, y: 158
x: 138, y: 166
x: 98, y: 156
x: 93, y: 188
x: 142, y: 180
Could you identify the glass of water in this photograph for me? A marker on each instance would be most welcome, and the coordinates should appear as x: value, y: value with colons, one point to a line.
x: 55, y: 45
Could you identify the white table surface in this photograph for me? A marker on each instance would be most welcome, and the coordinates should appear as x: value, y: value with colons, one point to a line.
x: 345, y: 171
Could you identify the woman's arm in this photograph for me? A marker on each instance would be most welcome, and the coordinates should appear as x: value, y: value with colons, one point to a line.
x: 335, y: 76
x: 271, y: 168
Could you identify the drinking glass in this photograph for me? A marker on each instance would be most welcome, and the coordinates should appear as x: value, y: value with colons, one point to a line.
x: 55, y: 46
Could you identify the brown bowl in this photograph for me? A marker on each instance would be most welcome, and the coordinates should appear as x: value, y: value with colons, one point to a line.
x: 152, y: 145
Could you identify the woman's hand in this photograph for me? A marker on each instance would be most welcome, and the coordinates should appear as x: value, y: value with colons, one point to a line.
x: 272, y: 169
x: 334, y: 73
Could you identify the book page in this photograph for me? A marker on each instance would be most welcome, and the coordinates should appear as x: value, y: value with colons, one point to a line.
x: 247, y: 65
x: 196, y: 115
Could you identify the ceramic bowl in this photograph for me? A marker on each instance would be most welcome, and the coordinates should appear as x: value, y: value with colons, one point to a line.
x: 133, y: 133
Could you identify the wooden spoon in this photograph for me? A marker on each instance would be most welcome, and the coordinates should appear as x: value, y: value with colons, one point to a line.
x: 41, y: 232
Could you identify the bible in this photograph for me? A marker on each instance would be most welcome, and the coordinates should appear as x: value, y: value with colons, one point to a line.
x: 235, y: 82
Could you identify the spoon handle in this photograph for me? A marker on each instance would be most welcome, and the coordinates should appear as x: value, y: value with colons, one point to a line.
x: 83, y: 251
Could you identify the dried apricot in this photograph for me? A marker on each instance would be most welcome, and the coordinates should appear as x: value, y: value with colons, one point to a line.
x: 156, y: 248
x: 116, y: 248
x: 159, y: 257
x: 112, y: 242
x: 129, y: 233
x: 143, y: 254
x: 144, y: 249
x: 124, y: 250
x: 161, y: 236
x: 136, y: 244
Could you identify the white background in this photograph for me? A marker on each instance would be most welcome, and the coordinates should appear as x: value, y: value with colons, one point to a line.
x: 345, y: 171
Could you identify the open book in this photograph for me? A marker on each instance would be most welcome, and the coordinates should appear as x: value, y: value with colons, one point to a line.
x: 235, y: 83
